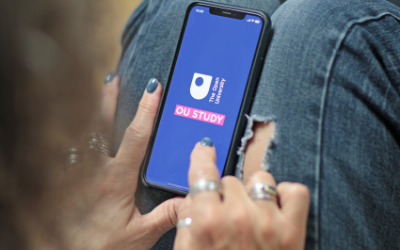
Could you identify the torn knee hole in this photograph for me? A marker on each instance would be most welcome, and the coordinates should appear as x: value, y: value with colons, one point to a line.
x: 256, y: 146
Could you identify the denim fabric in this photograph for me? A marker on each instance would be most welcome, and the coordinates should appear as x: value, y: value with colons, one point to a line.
x: 149, y: 42
x: 331, y: 84
x: 397, y: 2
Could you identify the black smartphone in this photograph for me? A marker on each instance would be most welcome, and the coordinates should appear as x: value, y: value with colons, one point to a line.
x: 210, y: 89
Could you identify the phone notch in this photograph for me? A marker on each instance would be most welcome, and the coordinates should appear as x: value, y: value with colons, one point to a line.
x: 227, y: 13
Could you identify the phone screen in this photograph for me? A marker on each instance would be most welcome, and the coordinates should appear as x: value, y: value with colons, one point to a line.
x: 205, y: 93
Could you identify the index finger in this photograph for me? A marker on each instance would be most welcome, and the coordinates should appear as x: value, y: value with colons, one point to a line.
x: 134, y: 144
x: 202, y: 166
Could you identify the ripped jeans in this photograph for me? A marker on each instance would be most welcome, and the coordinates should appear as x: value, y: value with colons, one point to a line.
x: 331, y: 85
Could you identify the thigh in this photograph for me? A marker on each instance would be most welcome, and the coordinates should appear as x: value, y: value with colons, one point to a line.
x: 149, y: 42
x: 331, y: 84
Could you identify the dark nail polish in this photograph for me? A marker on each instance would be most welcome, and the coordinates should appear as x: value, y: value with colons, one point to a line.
x: 206, y: 142
x: 109, y: 77
x: 152, y: 85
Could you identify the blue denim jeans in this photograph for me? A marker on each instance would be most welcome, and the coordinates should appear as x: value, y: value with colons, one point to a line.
x: 331, y: 85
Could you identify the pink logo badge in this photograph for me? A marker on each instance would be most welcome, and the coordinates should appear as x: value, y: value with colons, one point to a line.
x: 200, y: 115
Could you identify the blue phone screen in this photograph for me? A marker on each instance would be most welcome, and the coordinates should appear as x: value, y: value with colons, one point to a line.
x: 205, y: 93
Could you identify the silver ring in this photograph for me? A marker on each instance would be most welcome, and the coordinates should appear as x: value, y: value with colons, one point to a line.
x: 99, y: 142
x: 204, y: 185
x: 72, y: 156
x: 263, y: 191
x: 184, y: 222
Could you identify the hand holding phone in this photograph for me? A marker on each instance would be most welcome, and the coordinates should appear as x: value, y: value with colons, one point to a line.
x: 101, y: 185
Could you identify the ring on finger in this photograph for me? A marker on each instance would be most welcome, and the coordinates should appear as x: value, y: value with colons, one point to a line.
x: 184, y: 222
x: 72, y: 156
x: 204, y: 185
x: 99, y: 142
x: 263, y: 191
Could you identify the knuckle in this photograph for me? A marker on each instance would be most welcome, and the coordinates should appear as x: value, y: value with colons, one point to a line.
x: 210, y: 220
x: 240, y: 216
x: 105, y: 91
x: 184, y: 208
x: 259, y: 174
x: 136, y: 132
x: 170, y: 215
x: 206, y: 170
x: 302, y: 191
x: 298, y: 190
x: 230, y: 181
x: 147, y: 107
x: 267, y: 230
x: 262, y: 176
x: 108, y: 90
x: 290, y: 240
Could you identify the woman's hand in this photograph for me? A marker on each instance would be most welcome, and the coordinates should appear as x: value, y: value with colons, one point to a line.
x: 98, y: 205
x: 235, y: 221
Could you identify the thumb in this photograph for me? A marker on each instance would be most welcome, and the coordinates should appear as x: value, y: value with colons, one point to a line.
x: 163, y: 218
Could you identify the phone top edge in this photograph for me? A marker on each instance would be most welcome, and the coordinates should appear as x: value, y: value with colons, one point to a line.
x: 266, y: 25
x: 227, y: 7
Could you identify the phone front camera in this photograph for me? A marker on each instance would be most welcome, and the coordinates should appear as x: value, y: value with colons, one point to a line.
x: 199, y: 81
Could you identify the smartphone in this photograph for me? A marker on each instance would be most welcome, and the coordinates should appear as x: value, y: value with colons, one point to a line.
x: 210, y: 90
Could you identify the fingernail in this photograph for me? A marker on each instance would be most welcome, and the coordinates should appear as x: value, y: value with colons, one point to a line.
x: 109, y: 77
x: 152, y: 85
x: 206, y: 142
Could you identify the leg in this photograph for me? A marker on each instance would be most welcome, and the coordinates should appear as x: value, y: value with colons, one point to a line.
x: 149, y: 44
x: 331, y: 85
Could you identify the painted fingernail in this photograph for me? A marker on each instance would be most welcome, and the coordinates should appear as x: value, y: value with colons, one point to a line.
x: 109, y: 77
x: 206, y: 142
x: 152, y: 85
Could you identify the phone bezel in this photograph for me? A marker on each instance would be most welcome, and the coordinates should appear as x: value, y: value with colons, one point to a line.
x: 248, y: 96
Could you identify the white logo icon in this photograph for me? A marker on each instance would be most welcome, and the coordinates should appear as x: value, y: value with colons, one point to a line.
x: 200, y: 86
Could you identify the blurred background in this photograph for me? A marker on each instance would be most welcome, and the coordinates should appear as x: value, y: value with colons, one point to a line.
x: 54, y: 55
x: 65, y: 49
x: 109, y: 20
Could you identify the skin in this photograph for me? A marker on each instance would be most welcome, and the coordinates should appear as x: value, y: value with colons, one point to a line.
x: 98, y: 208
x: 98, y: 205
x: 256, y: 148
x: 236, y: 221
